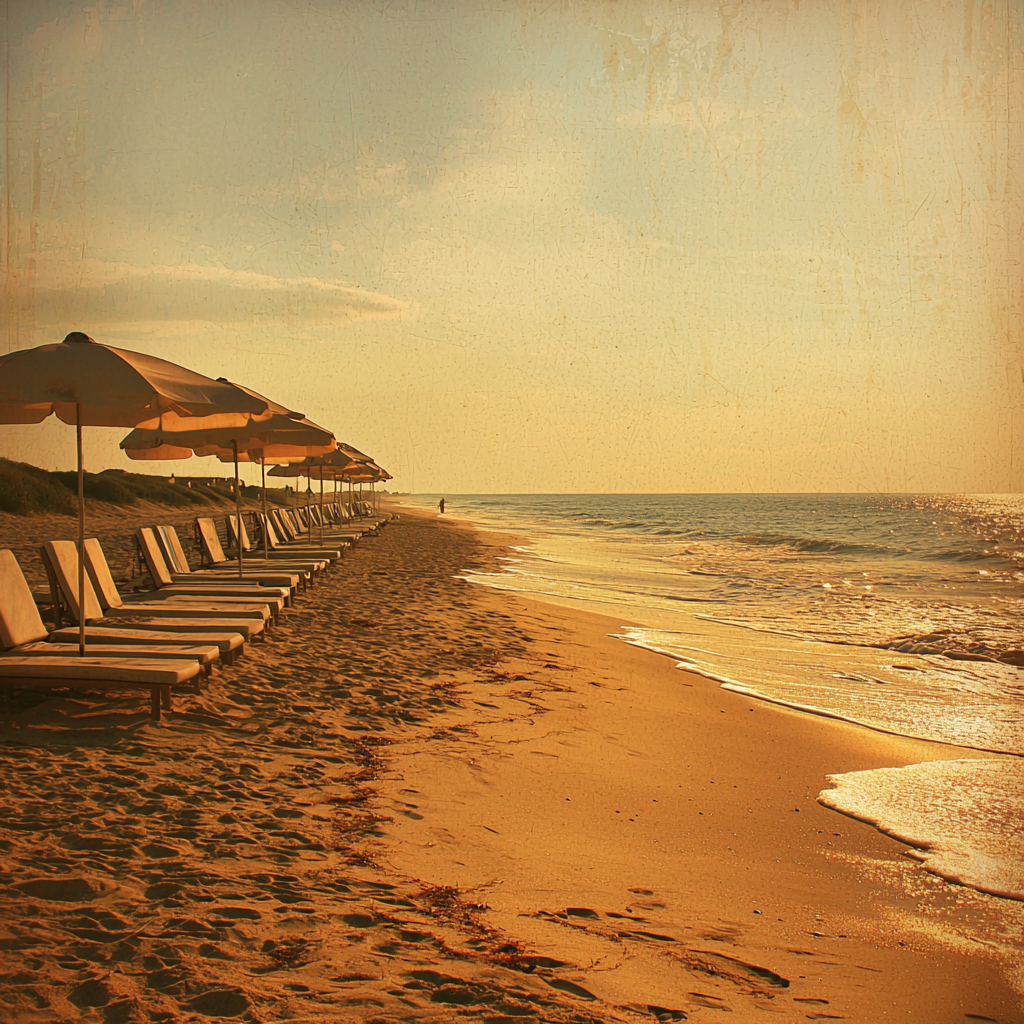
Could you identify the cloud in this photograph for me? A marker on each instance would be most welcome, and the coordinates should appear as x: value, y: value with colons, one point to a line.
x: 95, y: 293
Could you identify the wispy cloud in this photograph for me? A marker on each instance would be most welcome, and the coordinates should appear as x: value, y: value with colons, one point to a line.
x: 95, y: 292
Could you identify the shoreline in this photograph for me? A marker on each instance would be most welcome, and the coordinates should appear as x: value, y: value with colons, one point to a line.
x: 263, y: 856
x: 850, y: 862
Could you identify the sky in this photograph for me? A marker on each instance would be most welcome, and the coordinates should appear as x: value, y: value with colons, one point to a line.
x: 516, y: 246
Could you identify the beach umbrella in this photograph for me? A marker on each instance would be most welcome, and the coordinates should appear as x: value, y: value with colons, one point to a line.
x: 346, y: 464
x: 259, y: 455
x: 384, y: 475
x: 87, y: 384
x: 365, y: 472
x: 356, y: 456
x: 332, y: 464
x: 280, y: 433
x: 353, y: 453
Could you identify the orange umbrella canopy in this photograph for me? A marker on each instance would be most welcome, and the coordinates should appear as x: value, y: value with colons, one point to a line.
x: 354, y: 454
x: 331, y: 466
x: 113, y: 387
x: 257, y: 455
x: 368, y: 473
x: 87, y: 384
x: 278, y: 432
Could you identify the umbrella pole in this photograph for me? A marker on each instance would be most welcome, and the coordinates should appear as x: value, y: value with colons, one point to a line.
x: 266, y: 521
x: 309, y: 495
x: 321, y: 504
x: 238, y: 509
x: 81, y: 534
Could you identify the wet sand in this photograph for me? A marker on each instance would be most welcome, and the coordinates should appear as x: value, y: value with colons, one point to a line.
x: 420, y: 799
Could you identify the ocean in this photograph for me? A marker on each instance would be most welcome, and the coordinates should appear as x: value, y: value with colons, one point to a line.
x: 902, y: 613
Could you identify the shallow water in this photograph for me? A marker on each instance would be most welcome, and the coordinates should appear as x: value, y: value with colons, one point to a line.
x: 901, y: 613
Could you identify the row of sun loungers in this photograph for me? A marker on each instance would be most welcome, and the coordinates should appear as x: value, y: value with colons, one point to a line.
x: 173, y: 633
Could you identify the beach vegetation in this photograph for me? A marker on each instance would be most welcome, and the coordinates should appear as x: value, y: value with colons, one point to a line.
x: 25, y: 489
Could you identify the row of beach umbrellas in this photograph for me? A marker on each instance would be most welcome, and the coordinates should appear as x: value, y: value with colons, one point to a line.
x: 175, y: 413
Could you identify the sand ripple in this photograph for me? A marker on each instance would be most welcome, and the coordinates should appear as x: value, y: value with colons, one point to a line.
x: 223, y: 865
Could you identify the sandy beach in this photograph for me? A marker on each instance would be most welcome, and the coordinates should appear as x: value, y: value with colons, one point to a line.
x: 420, y: 799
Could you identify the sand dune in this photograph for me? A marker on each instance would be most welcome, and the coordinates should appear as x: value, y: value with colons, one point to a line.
x: 403, y: 806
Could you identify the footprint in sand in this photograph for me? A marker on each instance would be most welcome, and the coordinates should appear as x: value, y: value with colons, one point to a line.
x: 584, y: 912
x: 90, y: 993
x: 63, y: 890
x: 223, y: 1003
x: 664, y: 1014
x: 359, y: 920
x: 561, y: 985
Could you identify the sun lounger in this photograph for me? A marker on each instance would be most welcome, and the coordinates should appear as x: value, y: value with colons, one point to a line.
x: 292, y: 528
x: 283, y: 536
x: 221, y: 591
x: 296, y: 523
x: 182, y: 572
x: 335, y: 516
x: 36, y: 670
x: 279, y: 550
x: 214, y: 552
x: 229, y: 645
x: 158, y: 602
x: 355, y: 513
x: 332, y: 531
x: 371, y: 520
x: 23, y: 633
x: 229, y: 642
x: 100, y: 674
x: 61, y: 561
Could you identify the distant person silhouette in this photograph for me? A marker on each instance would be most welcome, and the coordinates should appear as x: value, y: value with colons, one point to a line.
x: 440, y: 505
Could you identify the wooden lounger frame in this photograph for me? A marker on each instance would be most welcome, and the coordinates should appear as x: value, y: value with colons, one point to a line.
x: 62, y: 613
x: 159, y: 693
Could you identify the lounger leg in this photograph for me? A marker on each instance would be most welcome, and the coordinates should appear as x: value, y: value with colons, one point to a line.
x: 154, y: 703
x: 165, y: 698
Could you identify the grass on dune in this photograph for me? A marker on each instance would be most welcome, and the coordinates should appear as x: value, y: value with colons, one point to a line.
x: 25, y: 489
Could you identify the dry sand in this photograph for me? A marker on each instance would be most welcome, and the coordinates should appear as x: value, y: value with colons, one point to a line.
x: 423, y: 800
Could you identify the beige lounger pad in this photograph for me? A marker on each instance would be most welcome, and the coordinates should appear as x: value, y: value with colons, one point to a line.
x: 138, y: 638
x: 202, y: 654
x: 139, y: 620
x: 131, y: 670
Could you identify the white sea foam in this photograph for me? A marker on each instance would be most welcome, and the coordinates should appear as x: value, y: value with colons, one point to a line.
x: 969, y: 704
x: 964, y: 818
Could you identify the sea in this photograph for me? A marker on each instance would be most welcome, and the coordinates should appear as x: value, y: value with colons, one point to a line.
x: 898, y: 612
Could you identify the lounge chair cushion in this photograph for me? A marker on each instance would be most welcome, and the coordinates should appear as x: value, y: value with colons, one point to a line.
x: 204, y: 654
x: 99, y: 670
x: 63, y: 557
x: 225, y: 642
x: 20, y: 621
